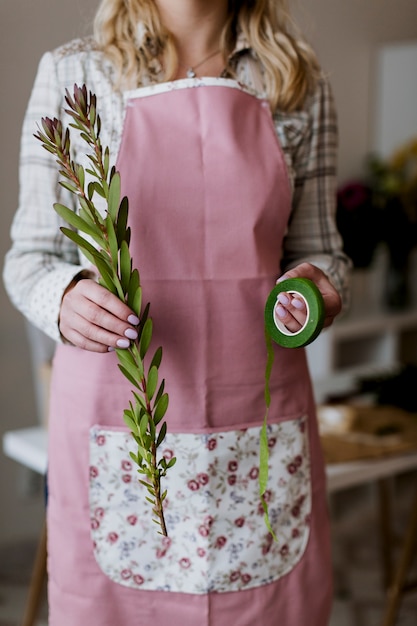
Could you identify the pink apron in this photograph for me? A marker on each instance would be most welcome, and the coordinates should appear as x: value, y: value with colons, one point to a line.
x: 209, y: 204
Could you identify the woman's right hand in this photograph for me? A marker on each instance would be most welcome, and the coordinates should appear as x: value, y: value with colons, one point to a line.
x: 94, y: 319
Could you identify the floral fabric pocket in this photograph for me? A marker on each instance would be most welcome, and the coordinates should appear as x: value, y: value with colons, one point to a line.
x: 217, y: 541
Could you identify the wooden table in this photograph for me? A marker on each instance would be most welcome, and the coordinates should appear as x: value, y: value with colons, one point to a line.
x: 355, y: 473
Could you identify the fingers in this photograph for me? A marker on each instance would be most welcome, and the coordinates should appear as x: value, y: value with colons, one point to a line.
x: 94, y: 319
x: 291, y: 311
x: 331, y: 298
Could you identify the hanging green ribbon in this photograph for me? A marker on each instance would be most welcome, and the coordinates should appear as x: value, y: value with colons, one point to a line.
x: 263, y: 444
x: 276, y: 332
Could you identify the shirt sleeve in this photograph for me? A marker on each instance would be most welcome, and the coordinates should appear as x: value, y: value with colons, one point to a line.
x: 312, y: 234
x: 41, y: 261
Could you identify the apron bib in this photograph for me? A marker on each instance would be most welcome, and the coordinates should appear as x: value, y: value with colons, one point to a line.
x: 209, y: 201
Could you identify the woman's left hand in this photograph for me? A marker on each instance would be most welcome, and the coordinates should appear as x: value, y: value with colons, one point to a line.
x: 292, y: 310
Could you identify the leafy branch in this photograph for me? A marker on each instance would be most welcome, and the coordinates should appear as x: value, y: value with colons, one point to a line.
x: 111, y: 257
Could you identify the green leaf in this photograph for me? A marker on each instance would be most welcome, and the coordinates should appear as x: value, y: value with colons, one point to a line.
x: 143, y: 318
x: 134, y: 293
x: 122, y: 217
x: 106, y: 160
x: 147, y: 440
x: 138, y: 360
x: 160, y: 391
x: 86, y: 138
x: 48, y: 147
x: 136, y: 438
x: 126, y: 359
x: 95, y: 187
x: 96, y: 232
x: 112, y: 240
x: 127, y: 375
x: 80, y: 175
x: 152, y: 432
x: 82, y: 243
x: 161, y: 408
x: 74, y: 220
x: 92, y: 211
x: 152, y: 382
x: 125, y: 266
x: 89, y: 170
x: 85, y: 214
x: 130, y: 422
x: 134, y: 458
x: 105, y: 188
x: 161, y: 434
x: 92, y: 115
x: 69, y: 186
x: 88, y: 256
x: 145, y: 338
x: 139, y: 411
x: 157, y: 358
x: 144, y: 424
x: 106, y: 274
x: 143, y: 453
x: 113, y: 201
x: 141, y: 401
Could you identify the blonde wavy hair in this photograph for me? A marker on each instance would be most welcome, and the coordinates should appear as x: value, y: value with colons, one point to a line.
x: 290, y: 67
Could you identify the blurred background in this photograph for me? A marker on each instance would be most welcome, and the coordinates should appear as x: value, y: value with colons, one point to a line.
x: 369, y: 50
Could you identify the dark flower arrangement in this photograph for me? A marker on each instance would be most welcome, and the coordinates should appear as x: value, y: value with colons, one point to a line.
x: 382, y: 207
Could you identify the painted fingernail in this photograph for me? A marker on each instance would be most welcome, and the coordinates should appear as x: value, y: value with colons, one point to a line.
x: 110, y: 349
x: 297, y: 304
x: 123, y: 343
x: 131, y: 333
x: 283, y: 299
x: 281, y: 278
x: 133, y: 319
x: 281, y: 312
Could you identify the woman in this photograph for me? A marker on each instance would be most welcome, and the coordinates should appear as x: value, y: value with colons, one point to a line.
x: 231, y: 185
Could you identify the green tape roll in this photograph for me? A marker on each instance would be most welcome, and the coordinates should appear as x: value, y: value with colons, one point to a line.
x: 315, y: 313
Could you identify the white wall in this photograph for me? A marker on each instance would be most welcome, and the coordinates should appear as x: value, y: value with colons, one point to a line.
x: 346, y: 34
x: 396, y: 119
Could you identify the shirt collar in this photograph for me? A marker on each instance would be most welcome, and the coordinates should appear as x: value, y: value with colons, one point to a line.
x: 242, y: 44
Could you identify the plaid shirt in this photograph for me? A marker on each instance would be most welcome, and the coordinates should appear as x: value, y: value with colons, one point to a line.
x: 42, y: 262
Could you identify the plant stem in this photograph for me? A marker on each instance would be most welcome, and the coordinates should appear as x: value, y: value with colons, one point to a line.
x: 158, y: 509
x: 114, y: 264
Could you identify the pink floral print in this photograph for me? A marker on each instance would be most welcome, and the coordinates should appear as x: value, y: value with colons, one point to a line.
x: 217, y: 537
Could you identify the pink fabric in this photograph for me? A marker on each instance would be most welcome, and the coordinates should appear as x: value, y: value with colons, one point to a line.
x: 208, y: 213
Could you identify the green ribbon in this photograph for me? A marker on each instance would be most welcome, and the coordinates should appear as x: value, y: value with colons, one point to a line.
x: 277, y: 333
x: 263, y: 443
